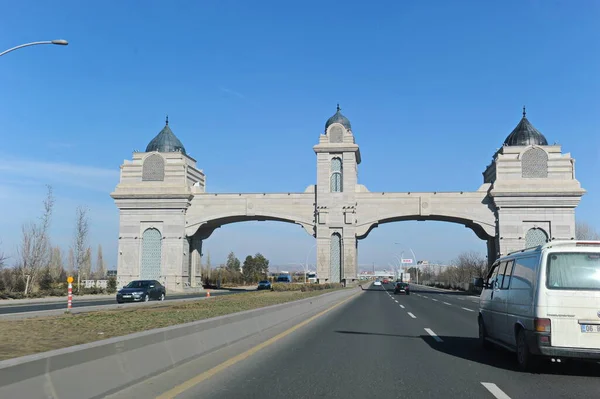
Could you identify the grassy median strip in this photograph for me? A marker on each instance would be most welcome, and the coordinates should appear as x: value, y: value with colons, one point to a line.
x: 28, y: 336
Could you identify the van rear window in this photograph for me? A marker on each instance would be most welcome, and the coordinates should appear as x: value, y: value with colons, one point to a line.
x: 573, y: 271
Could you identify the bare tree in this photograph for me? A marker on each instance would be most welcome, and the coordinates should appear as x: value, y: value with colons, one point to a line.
x: 86, y: 268
x: 56, y: 264
x: 3, y: 258
x: 100, y: 266
x: 34, y: 250
x: 584, y: 231
x: 79, y: 247
x: 71, y: 262
x: 470, y: 265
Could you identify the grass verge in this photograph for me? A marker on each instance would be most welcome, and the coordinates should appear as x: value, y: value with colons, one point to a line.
x: 28, y: 336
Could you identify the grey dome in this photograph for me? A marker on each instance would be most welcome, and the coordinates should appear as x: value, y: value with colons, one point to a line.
x: 525, y: 134
x: 338, y: 118
x: 166, y: 141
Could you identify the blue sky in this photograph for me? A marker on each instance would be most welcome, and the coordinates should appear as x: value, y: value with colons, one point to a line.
x: 432, y: 89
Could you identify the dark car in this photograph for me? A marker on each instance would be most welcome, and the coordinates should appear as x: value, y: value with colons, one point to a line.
x: 402, y: 288
x: 141, y: 291
x: 264, y: 285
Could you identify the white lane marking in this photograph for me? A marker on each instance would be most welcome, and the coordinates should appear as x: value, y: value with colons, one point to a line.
x: 433, y: 299
x: 446, y: 303
x: 467, y: 309
x: 434, y: 335
x: 402, y: 306
x: 425, y: 297
x: 494, y: 390
x: 412, y: 315
x: 462, y: 299
x: 395, y: 301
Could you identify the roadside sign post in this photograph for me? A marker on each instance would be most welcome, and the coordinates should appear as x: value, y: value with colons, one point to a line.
x: 70, y: 293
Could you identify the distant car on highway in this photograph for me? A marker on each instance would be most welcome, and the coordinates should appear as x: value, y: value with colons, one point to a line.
x: 377, y: 282
x: 386, y: 281
x: 402, y: 288
x: 141, y: 291
x: 264, y: 285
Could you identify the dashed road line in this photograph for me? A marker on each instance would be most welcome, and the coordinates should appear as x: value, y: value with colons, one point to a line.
x: 402, y: 306
x: 446, y: 303
x: 434, y: 335
x: 412, y: 315
x: 494, y: 390
x: 467, y: 309
x: 425, y: 297
x: 395, y: 301
x: 433, y: 299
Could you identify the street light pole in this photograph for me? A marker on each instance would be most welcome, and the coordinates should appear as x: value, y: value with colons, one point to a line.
x: 58, y: 42
x: 414, y: 260
x: 306, y: 262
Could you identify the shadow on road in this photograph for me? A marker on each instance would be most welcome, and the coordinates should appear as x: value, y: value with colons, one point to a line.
x: 378, y: 334
x: 469, y: 349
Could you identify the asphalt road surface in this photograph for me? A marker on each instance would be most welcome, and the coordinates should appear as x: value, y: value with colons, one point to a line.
x: 41, y: 306
x: 385, y: 346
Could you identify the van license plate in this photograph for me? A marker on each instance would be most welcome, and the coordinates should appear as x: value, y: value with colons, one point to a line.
x: 590, y: 328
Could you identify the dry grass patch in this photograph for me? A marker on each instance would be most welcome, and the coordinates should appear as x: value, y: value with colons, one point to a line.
x: 28, y: 336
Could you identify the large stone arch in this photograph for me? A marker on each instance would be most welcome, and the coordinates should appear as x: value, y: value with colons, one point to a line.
x: 482, y: 229
x: 205, y: 226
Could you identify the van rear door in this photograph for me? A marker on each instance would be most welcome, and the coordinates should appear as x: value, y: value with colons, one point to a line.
x: 572, y: 299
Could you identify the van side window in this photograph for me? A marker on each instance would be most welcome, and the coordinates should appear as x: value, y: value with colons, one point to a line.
x: 524, y: 272
x: 493, y: 274
x: 501, y: 269
x: 507, y: 274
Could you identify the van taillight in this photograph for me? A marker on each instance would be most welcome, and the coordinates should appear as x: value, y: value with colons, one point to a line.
x: 542, y: 325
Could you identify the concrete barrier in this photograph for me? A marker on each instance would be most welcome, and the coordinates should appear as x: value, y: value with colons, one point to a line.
x: 99, y: 368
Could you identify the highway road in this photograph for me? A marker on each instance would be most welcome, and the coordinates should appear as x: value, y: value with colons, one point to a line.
x: 42, y: 306
x: 375, y: 345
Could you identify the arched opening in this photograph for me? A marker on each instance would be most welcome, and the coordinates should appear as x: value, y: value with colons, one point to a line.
x: 153, y: 168
x: 336, y: 179
x: 534, y: 237
x: 438, y: 253
x: 534, y: 163
x: 335, y: 258
x: 286, y: 246
x: 150, y: 268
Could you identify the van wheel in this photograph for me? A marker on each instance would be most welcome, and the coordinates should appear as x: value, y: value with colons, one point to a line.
x: 526, y: 361
x: 485, y: 344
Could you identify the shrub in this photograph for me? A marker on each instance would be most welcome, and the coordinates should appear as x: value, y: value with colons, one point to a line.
x: 305, y: 287
x: 46, y: 281
x: 111, y: 286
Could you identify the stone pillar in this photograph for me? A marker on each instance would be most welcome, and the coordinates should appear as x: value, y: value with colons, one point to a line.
x: 322, y: 253
x: 350, y: 258
x: 196, y: 259
x: 492, y: 250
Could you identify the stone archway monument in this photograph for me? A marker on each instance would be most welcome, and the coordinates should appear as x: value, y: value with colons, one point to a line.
x: 528, y: 197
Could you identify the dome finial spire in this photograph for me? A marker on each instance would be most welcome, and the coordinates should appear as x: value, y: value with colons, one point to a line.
x: 338, y: 107
x: 524, y: 112
x: 167, y: 121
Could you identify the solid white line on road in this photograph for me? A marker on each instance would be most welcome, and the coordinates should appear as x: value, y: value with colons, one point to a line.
x: 467, y: 309
x: 434, y: 335
x: 446, y: 303
x: 402, y: 306
x: 433, y: 299
x: 412, y: 315
x: 494, y: 390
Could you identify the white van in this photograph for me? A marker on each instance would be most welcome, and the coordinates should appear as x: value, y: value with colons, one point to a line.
x: 544, y: 302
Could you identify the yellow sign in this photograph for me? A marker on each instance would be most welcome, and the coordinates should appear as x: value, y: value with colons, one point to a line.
x: 69, y: 279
